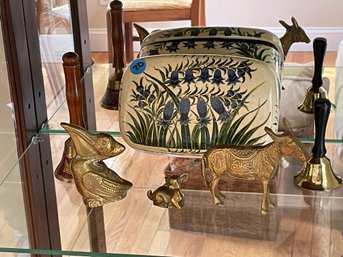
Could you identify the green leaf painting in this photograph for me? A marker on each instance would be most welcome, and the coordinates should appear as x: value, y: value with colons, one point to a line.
x: 170, y: 110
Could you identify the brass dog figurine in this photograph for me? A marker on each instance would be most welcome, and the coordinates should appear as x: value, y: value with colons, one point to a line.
x: 93, y: 179
x: 169, y: 195
x: 251, y: 162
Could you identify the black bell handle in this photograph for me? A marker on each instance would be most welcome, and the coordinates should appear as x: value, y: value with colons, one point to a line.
x: 319, y: 48
x: 321, y: 111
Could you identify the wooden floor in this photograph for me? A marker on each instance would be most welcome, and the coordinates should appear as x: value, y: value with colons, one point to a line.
x: 299, y: 226
x: 306, y: 57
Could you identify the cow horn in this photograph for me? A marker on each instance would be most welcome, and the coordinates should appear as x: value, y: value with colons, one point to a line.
x: 294, y: 21
x: 287, y: 126
x: 289, y: 130
x: 142, y: 32
x: 284, y: 24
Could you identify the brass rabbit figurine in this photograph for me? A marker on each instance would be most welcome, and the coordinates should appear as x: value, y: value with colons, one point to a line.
x: 169, y: 195
x: 96, y: 183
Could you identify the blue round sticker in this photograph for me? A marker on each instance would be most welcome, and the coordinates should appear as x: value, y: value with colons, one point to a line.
x: 138, y: 66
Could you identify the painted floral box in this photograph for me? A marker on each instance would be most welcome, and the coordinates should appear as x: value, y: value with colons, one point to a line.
x: 184, y: 104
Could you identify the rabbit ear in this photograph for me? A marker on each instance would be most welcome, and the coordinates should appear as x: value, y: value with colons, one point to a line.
x: 83, y: 140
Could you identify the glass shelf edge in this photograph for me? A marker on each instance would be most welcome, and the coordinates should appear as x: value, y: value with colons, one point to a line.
x: 48, y: 131
x: 33, y: 142
x: 70, y: 253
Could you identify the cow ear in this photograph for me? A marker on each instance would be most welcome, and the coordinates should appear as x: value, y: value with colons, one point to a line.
x: 273, y: 135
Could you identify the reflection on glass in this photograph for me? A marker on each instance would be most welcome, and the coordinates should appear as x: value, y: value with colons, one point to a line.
x: 7, y: 135
x: 13, y: 230
x: 339, y: 99
x: 55, y: 38
x: 71, y: 210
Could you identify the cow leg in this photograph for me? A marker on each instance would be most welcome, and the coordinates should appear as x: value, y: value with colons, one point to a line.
x: 220, y: 195
x: 264, y: 205
x: 270, y: 202
x: 215, y: 193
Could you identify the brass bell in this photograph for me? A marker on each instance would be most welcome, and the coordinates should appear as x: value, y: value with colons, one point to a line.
x: 317, y: 173
x: 316, y: 90
x: 110, y: 99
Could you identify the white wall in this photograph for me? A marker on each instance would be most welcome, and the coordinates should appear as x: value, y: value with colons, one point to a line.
x: 266, y: 13
x: 317, y: 17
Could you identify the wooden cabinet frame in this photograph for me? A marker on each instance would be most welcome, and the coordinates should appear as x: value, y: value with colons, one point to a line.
x: 27, y: 91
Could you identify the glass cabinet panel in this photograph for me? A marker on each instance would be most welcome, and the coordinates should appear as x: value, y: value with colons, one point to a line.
x: 55, y: 39
x: 13, y: 227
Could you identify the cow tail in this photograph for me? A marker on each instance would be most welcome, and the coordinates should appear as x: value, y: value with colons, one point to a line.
x: 203, y: 170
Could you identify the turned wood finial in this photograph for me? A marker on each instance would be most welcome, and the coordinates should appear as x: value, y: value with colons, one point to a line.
x: 116, y: 5
x: 70, y: 59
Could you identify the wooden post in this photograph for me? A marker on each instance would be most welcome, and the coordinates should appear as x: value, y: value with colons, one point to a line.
x: 79, y: 18
x: 71, y: 67
x: 74, y: 95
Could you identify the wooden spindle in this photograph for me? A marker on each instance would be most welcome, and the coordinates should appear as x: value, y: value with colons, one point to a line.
x: 74, y: 95
x: 71, y: 67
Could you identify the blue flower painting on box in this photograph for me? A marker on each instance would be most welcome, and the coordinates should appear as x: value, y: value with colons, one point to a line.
x: 187, y: 104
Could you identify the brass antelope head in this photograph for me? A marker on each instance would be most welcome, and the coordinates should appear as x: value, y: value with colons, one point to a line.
x: 294, y: 33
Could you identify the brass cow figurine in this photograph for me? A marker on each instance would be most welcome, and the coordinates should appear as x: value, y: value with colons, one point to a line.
x: 169, y: 195
x: 97, y: 183
x: 251, y: 162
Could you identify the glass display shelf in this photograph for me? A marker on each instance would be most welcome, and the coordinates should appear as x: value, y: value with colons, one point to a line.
x: 13, y: 227
x: 304, y: 223
x: 296, y: 79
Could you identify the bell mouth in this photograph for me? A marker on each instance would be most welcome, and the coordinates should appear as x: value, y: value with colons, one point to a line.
x: 311, y: 95
x: 317, y: 174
